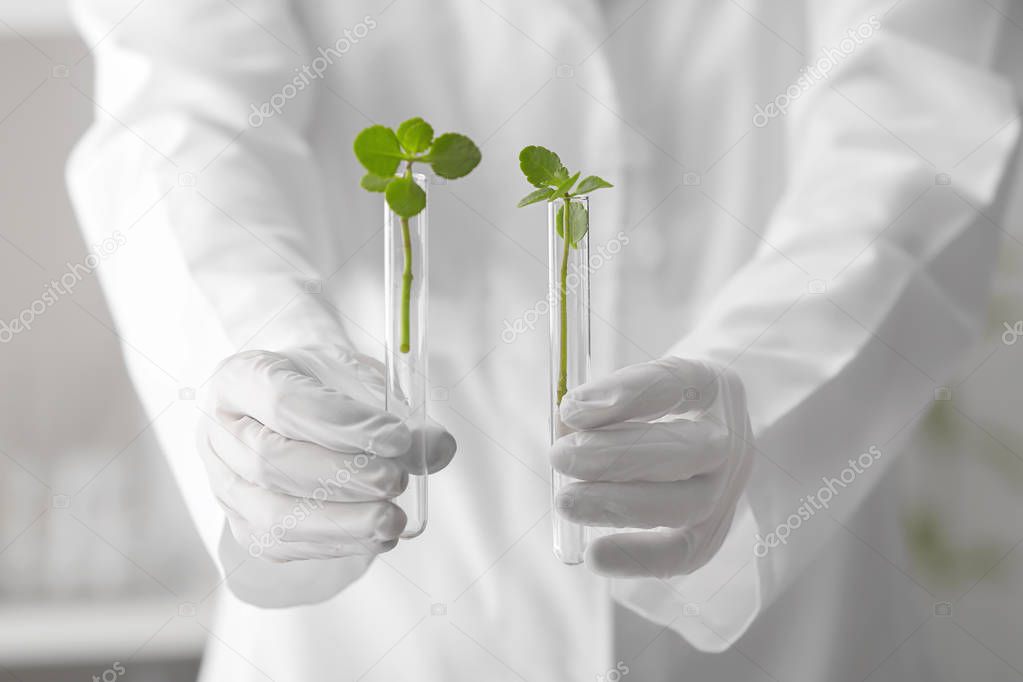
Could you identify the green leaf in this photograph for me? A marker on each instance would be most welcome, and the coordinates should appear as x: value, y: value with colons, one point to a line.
x: 591, y: 183
x: 405, y: 197
x: 453, y: 156
x: 378, y: 150
x: 542, y: 194
x: 578, y: 222
x: 375, y: 183
x: 542, y: 167
x: 565, y: 185
x: 415, y: 135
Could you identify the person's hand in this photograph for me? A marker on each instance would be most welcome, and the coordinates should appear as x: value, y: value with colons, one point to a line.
x: 662, y: 445
x: 302, y: 459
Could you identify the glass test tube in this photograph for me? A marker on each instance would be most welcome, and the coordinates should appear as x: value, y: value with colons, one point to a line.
x: 569, y: 296
x: 405, y: 355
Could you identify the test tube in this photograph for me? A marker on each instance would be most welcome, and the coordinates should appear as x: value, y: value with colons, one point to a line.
x: 406, y: 285
x: 569, y: 296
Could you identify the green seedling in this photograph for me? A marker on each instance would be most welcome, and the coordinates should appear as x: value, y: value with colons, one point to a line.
x: 382, y: 151
x: 544, y: 170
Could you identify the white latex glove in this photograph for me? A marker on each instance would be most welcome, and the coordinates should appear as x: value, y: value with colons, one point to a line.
x: 663, y: 445
x: 302, y: 458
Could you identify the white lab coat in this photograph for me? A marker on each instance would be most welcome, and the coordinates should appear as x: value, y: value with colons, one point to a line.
x: 821, y: 255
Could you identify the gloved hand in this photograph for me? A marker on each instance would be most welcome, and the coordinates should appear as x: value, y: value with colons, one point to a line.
x: 302, y: 458
x: 663, y: 445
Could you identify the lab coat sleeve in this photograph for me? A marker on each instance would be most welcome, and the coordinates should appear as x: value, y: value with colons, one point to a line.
x: 198, y: 165
x: 869, y: 285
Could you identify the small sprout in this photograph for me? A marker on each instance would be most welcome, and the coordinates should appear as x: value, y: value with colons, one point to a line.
x: 553, y: 181
x: 382, y: 151
x: 544, y: 170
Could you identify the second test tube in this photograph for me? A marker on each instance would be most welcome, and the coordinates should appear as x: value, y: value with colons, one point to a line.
x: 569, y: 296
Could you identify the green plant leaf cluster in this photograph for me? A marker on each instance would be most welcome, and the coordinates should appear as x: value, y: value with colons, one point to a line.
x: 382, y: 151
x: 544, y: 170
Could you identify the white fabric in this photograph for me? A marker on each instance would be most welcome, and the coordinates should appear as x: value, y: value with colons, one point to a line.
x: 815, y: 256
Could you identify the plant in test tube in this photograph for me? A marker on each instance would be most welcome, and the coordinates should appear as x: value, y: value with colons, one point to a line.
x: 382, y: 151
x: 555, y: 183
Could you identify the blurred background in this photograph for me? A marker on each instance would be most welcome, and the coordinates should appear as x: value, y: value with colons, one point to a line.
x: 96, y: 549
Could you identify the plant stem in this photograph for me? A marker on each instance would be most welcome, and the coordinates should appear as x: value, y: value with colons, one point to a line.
x: 406, y: 277
x: 563, y: 307
x: 406, y: 285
